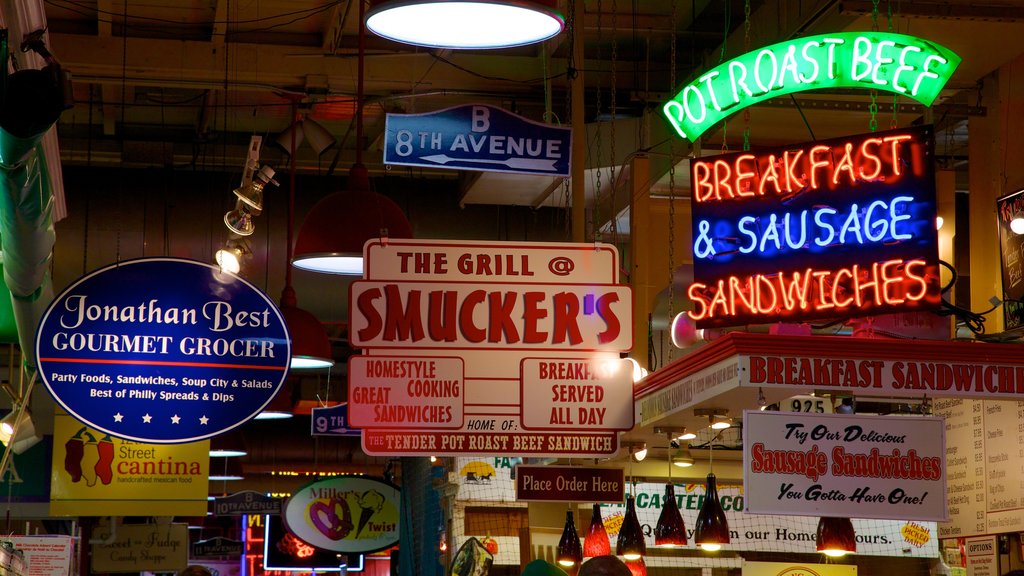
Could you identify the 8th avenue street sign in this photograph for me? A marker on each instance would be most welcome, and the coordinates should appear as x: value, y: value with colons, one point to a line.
x: 477, y: 137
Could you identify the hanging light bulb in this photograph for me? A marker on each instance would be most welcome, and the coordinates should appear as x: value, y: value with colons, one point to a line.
x: 596, y: 543
x: 712, y: 528
x: 570, y: 553
x: 836, y: 536
x: 630, y: 544
x: 670, y: 530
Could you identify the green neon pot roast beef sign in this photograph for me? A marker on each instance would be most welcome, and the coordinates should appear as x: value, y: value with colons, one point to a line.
x: 897, y: 63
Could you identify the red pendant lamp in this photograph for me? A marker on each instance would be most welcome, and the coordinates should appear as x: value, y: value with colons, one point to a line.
x: 596, y: 543
x: 836, y: 537
x: 569, y: 552
x: 334, y: 231
x: 630, y: 544
x: 670, y: 532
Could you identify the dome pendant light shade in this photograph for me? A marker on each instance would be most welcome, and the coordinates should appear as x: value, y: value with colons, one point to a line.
x: 570, y: 553
x: 630, y: 544
x: 467, y: 24
x: 836, y: 536
x: 712, y: 528
x: 310, y: 346
x: 332, y: 235
x: 596, y: 543
x: 670, y: 530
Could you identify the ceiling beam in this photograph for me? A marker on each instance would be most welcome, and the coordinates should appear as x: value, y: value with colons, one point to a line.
x: 970, y: 11
x: 334, y: 27
x: 104, y: 18
x: 220, y: 23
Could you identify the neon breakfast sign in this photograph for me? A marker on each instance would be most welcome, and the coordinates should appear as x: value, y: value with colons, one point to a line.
x: 842, y: 227
x: 897, y: 63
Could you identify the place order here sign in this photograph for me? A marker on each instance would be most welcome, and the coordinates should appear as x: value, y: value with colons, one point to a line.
x: 482, y: 348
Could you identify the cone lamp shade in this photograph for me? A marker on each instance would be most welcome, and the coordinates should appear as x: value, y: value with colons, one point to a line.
x: 466, y: 24
x: 637, y: 567
x: 836, y: 537
x: 670, y: 531
x: 310, y: 347
x: 596, y: 543
x: 630, y: 544
x: 332, y: 235
x: 570, y: 553
x: 712, y: 528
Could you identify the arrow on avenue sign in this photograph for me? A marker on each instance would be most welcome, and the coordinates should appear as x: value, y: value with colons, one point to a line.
x: 514, y: 163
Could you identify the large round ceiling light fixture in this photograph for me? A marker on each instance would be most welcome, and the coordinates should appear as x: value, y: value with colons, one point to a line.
x: 465, y: 24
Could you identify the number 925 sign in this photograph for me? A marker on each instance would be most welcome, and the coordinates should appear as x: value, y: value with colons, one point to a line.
x: 806, y: 403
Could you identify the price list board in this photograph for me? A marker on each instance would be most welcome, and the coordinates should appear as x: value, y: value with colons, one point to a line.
x: 984, y: 466
x: 965, y: 466
x: 1004, y: 465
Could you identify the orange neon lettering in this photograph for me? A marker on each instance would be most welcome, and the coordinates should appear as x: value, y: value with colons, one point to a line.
x: 845, y: 163
x: 760, y: 281
x: 722, y: 181
x: 866, y: 155
x: 815, y: 163
x: 861, y: 284
x: 920, y: 278
x: 696, y: 293
x: 719, y: 299
x: 895, y: 141
x: 701, y: 175
x: 837, y: 287
x: 771, y: 174
x: 888, y: 280
x: 821, y: 276
x: 742, y: 176
x: 742, y: 292
x: 790, y: 176
x: 794, y: 292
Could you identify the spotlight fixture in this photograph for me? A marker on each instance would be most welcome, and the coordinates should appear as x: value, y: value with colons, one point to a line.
x: 639, y: 452
x: 1017, y: 223
x: 230, y: 257
x: 466, y: 24
x: 683, y: 458
x: 630, y: 544
x: 596, y: 543
x: 686, y: 435
x: 251, y: 191
x: 720, y: 423
x: 836, y: 537
x: 239, y: 220
x: 570, y: 553
x: 18, y: 434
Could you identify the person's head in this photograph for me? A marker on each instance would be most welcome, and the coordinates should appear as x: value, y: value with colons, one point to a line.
x: 604, y: 566
x: 195, y: 571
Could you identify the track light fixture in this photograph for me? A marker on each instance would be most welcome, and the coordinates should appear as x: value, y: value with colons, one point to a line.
x: 19, y: 434
x: 251, y: 192
x: 239, y: 220
x: 231, y: 256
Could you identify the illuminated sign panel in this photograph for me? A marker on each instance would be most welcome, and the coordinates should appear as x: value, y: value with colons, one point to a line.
x: 842, y: 227
x: 897, y: 63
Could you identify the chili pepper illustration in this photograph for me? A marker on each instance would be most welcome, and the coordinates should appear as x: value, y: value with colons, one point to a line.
x: 74, y: 450
x: 104, y: 468
x: 90, y: 456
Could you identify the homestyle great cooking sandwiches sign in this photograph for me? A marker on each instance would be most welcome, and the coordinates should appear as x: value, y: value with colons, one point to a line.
x: 484, y: 348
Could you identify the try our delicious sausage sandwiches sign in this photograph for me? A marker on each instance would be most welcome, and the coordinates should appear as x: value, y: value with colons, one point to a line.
x: 163, y: 350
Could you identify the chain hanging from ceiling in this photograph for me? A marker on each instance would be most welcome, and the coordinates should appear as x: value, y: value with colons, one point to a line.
x: 894, y: 122
x: 721, y: 58
x: 570, y: 77
x: 873, y: 107
x: 746, y: 49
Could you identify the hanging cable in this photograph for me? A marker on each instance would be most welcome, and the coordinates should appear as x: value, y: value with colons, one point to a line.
x: 746, y: 49
x: 612, y: 181
x: 595, y: 220
x: 721, y: 58
x: 672, y: 188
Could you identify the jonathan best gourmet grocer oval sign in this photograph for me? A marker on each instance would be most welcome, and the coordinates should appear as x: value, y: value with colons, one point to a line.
x: 163, y: 350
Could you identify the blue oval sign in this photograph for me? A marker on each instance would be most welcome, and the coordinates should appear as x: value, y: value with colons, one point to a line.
x: 163, y: 350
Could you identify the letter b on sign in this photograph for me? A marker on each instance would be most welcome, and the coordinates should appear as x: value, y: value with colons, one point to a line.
x: 481, y: 119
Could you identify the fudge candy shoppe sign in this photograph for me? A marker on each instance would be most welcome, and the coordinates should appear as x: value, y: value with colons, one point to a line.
x: 488, y: 348
x: 844, y: 465
x: 163, y: 350
x: 842, y: 227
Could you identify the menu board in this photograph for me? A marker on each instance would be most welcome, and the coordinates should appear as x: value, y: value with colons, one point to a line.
x: 1011, y: 249
x: 984, y: 466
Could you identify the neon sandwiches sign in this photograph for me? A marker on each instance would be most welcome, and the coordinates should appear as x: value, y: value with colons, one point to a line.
x: 897, y: 63
x: 842, y: 227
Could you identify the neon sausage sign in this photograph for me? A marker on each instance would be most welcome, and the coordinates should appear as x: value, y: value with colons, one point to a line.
x: 897, y: 63
x: 842, y: 227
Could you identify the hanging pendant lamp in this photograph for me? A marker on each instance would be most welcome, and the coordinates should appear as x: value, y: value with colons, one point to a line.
x: 836, y: 536
x: 596, y: 543
x: 637, y: 567
x: 570, y: 553
x: 473, y: 24
x: 630, y: 544
x: 670, y: 531
x: 712, y: 528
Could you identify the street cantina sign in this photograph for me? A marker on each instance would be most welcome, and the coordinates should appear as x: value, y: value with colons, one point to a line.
x: 896, y: 63
x: 841, y: 227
